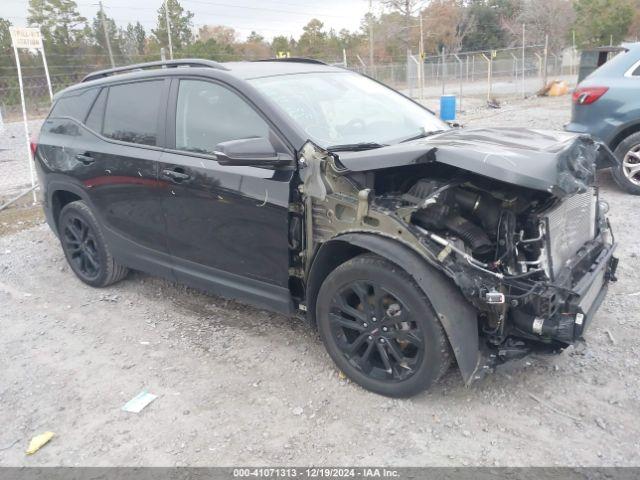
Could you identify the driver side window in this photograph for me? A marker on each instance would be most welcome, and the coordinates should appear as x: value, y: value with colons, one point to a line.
x: 208, y: 114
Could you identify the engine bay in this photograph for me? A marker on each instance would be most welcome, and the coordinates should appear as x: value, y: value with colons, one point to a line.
x: 521, y: 256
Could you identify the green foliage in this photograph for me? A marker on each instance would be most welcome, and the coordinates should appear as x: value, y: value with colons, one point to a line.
x: 600, y: 21
x: 97, y: 30
x: 180, y: 21
x: 62, y: 26
x: 133, y: 39
x: 488, y: 32
x: 313, y: 40
x: 280, y: 44
x: 209, y: 50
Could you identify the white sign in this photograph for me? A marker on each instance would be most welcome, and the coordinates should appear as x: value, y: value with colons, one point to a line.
x: 24, y: 37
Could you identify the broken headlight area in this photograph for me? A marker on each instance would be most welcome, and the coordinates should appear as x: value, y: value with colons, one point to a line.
x: 533, y: 265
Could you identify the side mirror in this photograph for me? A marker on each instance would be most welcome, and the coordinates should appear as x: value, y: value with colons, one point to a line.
x: 256, y: 151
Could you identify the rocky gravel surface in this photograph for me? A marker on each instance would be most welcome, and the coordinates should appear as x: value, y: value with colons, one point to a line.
x: 238, y: 385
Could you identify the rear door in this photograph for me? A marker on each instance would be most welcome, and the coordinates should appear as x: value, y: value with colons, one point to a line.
x: 118, y: 152
x: 227, y: 226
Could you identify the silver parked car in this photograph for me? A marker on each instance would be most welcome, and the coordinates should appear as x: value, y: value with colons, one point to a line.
x: 606, y: 105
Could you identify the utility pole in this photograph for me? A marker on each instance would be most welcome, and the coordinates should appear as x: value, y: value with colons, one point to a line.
x: 106, y: 35
x: 371, y: 35
x: 546, y: 59
x: 443, y: 71
x: 421, y: 55
x: 166, y: 19
x: 523, y: 55
x: 574, y: 54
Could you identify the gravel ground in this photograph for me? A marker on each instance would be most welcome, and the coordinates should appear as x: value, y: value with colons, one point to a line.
x: 238, y: 385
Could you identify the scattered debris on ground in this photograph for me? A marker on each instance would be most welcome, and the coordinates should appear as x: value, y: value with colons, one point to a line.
x: 38, y: 442
x: 139, y: 402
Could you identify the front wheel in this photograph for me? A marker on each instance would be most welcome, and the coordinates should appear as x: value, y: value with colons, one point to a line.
x: 380, y: 329
x: 627, y: 175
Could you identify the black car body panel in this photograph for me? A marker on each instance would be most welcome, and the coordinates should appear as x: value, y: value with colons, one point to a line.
x: 520, y: 156
x: 269, y: 233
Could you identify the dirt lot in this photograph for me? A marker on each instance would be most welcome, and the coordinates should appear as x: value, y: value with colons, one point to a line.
x: 238, y: 385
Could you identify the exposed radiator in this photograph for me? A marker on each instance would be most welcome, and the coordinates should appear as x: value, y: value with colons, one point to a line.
x: 569, y: 226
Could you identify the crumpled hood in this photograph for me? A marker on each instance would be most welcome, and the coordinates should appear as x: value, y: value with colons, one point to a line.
x: 559, y: 162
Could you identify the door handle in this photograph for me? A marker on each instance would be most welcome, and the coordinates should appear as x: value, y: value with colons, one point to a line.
x: 85, y: 158
x: 176, y: 175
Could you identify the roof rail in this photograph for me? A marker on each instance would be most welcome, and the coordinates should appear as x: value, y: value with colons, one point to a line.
x: 293, y: 60
x: 186, y: 62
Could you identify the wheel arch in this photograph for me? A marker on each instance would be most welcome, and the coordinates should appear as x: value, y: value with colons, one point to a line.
x: 61, y: 194
x: 622, y: 134
x: 457, y: 315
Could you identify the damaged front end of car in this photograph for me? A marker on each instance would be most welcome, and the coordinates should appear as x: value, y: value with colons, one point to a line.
x: 503, y: 229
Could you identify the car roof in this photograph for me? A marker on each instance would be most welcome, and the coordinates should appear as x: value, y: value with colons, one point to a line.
x: 243, y: 70
x: 271, y: 68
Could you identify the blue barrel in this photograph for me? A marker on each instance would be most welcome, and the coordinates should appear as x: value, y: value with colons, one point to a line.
x: 448, y: 107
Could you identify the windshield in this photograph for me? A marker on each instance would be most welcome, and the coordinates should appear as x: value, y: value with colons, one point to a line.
x: 345, y: 109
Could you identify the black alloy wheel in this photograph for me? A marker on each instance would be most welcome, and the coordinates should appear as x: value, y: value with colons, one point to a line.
x: 376, y: 332
x: 79, y: 242
x: 84, y: 246
x: 380, y: 329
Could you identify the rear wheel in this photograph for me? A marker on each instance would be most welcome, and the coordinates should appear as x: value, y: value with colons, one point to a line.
x: 627, y: 175
x: 84, y: 247
x: 380, y: 329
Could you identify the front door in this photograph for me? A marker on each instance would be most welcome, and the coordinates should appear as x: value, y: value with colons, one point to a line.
x: 227, y: 226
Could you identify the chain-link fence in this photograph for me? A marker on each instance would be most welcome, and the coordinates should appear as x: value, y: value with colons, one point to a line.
x: 494, y: 74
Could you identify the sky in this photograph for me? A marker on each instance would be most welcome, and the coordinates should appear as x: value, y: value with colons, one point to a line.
x: 267, y: 17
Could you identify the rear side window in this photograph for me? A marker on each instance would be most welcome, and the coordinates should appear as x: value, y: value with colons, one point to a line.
x: 132, y: 112
x: 94, y: 119
x: 636, y: 72
x: 75, y: 104
x: 208, y: 114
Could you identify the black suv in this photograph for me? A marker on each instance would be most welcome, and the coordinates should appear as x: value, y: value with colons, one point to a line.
x: 305, y: 188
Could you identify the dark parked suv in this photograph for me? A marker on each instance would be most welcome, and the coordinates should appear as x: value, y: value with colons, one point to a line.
x: 309, y: 189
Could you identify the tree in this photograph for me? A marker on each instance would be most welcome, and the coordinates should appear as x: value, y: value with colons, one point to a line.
x: 221, y: 34
x: 180, y: 22
x: 407, y: 9
x: 254, y: 48
x: 61, y: 24
x: 600, y: 21
x: 280, y: 45
x: 133, y: 39
x: 112, y: 30
x: 488, y: 32
x: 5, y: 36
x: 5, y: 43
x: 446, y: 23
x: 210, y: 50
x: 551, y: 17
x: 634, y: 29
x: 312, y: 42
x: 390, y: 44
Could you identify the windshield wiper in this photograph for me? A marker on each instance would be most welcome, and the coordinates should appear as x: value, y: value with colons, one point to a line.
x: 355, y: 147
x: 421, y: 135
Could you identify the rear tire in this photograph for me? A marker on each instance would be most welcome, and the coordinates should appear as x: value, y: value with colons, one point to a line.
x: 627, y: 175
x: 380, y: 329
x: 85, y: 248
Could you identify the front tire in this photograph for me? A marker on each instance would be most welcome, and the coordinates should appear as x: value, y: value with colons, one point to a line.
x: 380, y: 329
x: 85, y: 248
x: 627, y: 175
